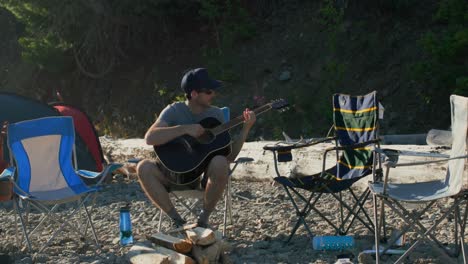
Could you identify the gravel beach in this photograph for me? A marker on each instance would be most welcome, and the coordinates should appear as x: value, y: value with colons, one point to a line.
x: 262, y: 220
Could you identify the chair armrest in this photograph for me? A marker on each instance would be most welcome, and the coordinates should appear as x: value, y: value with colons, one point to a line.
x: 286, y: 146
x: 134, y: 160
x: 354, y: 146
x: 108, y: 169
x: 7, y: 174
x: 392, y: 157
x: 243, y: 160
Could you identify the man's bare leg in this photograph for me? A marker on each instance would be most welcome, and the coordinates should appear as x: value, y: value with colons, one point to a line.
x: 217, y: 173
x: 153, y: 183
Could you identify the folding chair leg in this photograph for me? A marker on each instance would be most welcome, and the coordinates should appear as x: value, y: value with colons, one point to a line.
x: 382, y: 224
x: 51, y: 216
x: 301, y: 213
x: 298, y: 223
x: 160, y: 220
x: 230, y: 208
x: 350, y: 210
x: 341, y: 210
x: 227, y: 205
x: 66, y: 223
x: 44, y: 217
x: 418, y: 227
x: 310, y: 206
x: 92, y: 227
x: 463, y: 250
x: 420, y: 230
x: 462, y: 225
x: 190, y: 208
x: 376, y: 230
x: 23, y: 224
x: 406, y: 227
x: 15, y: 207
x: 353, y: 212
x: 93, y: 203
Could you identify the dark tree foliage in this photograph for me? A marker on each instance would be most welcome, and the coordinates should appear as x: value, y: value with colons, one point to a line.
x: 93, y: 46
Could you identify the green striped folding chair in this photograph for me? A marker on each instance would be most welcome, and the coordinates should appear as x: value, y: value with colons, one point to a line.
x: 356, y: 132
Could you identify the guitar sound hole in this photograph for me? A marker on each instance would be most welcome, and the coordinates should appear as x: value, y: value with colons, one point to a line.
x: 206, y: 138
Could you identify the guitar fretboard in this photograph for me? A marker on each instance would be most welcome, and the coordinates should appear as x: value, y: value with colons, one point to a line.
x: 238, y: 120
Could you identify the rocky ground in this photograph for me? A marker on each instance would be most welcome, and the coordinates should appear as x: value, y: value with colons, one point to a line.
x: 263, y: 217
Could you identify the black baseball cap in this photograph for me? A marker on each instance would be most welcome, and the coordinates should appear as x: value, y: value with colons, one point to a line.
x: 198, y: 79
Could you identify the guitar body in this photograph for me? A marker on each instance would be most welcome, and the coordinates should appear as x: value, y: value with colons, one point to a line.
x: 190, y: 156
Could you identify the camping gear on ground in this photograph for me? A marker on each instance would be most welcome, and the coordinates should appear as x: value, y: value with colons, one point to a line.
x: 398, y: 196
x: 355, y: 126
x: 44, y: 177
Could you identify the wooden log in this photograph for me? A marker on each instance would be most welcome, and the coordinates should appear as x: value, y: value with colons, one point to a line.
x: 199, y: 256
x: 192, y: 236
x: 201, y: 236
x: 225, y: 246
x: 143, y: 254
x: 225, y: 259
x: 181, y: 229
x: 439, y: 137
x: 180, y: 245
x: 175, y: 257
x: 209, y: 254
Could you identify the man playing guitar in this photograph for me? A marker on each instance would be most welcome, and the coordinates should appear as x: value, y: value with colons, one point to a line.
x: 179, y: 119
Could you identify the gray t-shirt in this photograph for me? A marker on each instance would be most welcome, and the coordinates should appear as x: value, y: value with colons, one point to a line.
x: 179, y: 113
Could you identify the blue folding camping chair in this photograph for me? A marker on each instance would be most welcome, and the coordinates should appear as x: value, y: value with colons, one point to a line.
x: 42, y: 152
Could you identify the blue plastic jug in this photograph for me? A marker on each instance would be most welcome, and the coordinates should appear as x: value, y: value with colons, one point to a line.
x: 332, y: 242
x: 126, y: 236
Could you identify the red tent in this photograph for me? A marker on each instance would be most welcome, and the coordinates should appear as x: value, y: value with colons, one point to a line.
x: 85, y: 129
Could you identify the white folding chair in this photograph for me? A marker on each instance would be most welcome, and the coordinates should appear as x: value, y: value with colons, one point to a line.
x: 397, y: 196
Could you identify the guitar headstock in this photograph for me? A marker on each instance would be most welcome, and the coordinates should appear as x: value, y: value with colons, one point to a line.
x: 280, y: 104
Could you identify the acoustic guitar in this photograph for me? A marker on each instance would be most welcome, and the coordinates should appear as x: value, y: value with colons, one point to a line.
x: 190, y: 156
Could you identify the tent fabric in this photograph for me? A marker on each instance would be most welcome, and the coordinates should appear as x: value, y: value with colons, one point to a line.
x: 84, y: 129
x: 15, y: 108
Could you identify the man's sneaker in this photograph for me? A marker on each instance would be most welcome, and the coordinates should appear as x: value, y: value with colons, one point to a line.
x: 202, y: 224
x: 178, y: 223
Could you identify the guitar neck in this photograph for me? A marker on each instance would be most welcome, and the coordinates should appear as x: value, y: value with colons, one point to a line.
x: 238, y: 120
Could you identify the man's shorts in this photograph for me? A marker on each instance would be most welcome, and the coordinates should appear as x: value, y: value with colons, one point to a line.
x: 184, y: 181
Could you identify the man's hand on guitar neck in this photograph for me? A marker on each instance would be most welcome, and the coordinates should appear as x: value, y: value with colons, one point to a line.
x: 249, y: 118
